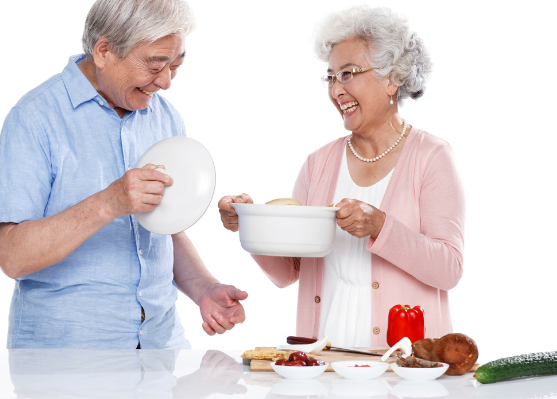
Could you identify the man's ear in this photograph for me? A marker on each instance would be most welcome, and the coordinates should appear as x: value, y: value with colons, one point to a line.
x: 102, y: 53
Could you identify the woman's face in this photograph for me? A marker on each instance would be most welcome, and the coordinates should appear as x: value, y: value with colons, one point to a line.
x: 363, y: 101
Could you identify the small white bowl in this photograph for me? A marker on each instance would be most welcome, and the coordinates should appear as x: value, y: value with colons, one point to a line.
x: 299, y: 373
x: 419, y: 374
x: 286, y: 230
x: 348, y: 371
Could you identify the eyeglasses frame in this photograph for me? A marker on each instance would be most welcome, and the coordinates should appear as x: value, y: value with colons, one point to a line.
x: 353, y: 71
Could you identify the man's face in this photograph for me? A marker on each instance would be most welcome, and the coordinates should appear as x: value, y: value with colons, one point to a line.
x: 129, y: 83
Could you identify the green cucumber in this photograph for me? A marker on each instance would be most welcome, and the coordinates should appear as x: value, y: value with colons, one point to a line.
x: 509, y: 368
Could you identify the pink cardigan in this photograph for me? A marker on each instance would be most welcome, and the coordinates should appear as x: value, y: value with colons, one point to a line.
x: 416, y: 258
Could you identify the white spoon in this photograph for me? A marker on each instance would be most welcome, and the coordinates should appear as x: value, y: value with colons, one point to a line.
x: 314, y: 348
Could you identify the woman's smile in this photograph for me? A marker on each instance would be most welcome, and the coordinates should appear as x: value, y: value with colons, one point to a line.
x: 349, y: 108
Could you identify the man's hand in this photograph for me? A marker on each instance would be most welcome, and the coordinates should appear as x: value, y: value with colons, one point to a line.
x: 221, y: 308
x: 139, y: 190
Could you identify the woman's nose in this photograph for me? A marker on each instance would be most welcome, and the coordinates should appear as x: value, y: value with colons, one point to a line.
x: 337, y: 89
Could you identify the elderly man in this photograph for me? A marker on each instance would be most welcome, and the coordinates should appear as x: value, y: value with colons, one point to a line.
x: 87, y: 275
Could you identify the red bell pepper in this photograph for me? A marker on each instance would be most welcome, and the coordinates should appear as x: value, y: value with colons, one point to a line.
x: 405, y: 321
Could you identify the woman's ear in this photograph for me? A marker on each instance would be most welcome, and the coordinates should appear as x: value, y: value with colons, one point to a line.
x: 392, y: 87
x: 102, y: 53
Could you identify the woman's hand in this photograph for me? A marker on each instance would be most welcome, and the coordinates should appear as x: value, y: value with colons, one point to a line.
x: 359, y: 219
x: 228, y: 214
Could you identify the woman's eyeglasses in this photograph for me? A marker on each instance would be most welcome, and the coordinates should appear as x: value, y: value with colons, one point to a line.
x: 343, y: 76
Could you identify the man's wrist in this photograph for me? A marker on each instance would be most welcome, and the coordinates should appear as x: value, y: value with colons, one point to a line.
x: 101, y: 208
x: 206, y: 289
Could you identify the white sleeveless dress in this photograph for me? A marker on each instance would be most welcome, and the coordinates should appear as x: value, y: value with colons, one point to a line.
x: 346, y: 294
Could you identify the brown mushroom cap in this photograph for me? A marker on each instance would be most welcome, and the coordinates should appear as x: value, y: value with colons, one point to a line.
x: 424, y: 348
x: 459, y: 351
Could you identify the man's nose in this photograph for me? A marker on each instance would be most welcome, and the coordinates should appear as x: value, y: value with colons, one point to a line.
x: 163, y: 79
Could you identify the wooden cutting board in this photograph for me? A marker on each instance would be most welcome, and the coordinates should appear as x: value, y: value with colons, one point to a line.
x: 336, y: 356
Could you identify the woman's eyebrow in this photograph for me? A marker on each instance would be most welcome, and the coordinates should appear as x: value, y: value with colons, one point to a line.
x: 342, y: 67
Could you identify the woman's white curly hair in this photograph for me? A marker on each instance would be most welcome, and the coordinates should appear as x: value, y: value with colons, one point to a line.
x: 398, y: 52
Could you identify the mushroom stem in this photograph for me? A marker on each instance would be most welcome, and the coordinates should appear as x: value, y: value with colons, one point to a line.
x: 405, y: 346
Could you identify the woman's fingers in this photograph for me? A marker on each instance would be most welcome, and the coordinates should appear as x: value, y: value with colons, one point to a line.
x: 228, y: 214
x: 224, y: 204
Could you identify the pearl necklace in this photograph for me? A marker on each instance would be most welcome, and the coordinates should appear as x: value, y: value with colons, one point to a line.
x: 382, y: 155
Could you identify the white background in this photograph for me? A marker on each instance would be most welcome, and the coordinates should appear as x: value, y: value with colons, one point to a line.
x: 249, y: 90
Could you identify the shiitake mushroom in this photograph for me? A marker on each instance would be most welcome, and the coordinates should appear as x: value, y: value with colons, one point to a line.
x: 459, y: 351
x: 423, y: 348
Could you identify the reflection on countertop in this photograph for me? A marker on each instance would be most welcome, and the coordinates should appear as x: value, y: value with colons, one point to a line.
x: 72, y: 373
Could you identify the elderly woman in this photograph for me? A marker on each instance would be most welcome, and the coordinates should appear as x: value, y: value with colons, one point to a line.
x: 87, y: 275
x: 400, y: 226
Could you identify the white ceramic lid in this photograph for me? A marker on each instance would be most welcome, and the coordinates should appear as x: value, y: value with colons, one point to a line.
x: 191, y: 167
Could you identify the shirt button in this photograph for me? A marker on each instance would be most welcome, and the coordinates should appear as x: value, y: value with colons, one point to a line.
x: 101, y: 103
x: 376, y: 330
x: 317, y: 299
x: 375, y: 285
x: 140, y: 332
x: 140, y: 252
x: 140, y: 293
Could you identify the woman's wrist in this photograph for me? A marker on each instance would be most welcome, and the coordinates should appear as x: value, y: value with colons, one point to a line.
x: 378, y: 223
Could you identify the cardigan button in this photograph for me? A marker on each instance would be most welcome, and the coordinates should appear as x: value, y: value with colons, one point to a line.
x: 376, y: 330
x: 317, y: 299
x: 375, y: 285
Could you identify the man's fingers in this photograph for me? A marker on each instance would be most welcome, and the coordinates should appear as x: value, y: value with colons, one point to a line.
x: 223, y: 321
x: 151, y: 199
x: 208, y: 329
x: 155, y: 175
x: 153, y: 187
x: 214, y: 324
x: 236, y: 293
x: 238, y: 319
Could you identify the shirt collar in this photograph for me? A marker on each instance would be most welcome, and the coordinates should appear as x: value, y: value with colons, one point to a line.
x: 78, y: 86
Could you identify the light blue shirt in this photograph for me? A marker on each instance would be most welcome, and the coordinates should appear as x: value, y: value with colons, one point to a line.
x: 60, y: 144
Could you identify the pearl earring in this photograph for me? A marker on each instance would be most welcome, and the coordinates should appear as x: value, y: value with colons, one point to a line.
x: 391, y: 100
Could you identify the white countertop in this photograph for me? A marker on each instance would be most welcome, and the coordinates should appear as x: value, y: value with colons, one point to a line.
x: 68, y: 373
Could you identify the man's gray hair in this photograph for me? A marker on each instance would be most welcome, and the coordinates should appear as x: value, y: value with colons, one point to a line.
x: 395, y: 49
x: 126, y: 23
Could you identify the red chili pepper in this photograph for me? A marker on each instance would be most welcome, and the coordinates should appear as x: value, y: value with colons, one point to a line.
x: 405, y: 321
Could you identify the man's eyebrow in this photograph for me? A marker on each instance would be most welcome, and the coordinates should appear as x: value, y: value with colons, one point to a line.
x: 158, y: 58
x: 163, y: 58
x: 342, y: 67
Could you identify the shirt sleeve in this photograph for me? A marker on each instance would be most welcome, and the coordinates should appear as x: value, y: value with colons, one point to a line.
x: 434, y: 254
x: 26, y: 177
